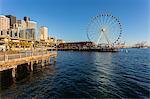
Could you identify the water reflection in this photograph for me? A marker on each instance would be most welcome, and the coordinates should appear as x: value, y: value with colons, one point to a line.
x: 6, y: 79
x: 23, y: 77
x: 87, y: 75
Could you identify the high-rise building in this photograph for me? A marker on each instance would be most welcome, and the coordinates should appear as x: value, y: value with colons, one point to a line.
x: 30, y: 29
x: 4, y: 24
x: 26, y: 18
x: 31, y: 24
x: 43, y: 33
x: 22, y: 31
x: 22, y: 24
x: 12, y: 20
x: 30, y: 34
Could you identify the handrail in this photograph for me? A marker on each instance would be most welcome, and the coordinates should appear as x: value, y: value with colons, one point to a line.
x: 6, y: 57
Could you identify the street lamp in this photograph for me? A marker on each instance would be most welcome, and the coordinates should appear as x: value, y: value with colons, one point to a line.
x: 9, y: 41
x: 32, y: 47
x: 6, y: 43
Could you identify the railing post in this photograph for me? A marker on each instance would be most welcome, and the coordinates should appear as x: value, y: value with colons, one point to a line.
x: 32, y: 53
x: 20, y: 55
x: 42, y: 53
x: 31, y: 65
x: 5, y: 57
x: 42, y: 62
x: 14, y: 72
x: 26, y: 53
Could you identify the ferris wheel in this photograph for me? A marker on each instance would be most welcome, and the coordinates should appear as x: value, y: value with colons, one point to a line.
x: 104, y: 29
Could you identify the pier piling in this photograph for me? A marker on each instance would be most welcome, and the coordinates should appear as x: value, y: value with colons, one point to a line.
x: 37, y: 61
x: 31, y: 66
x: 48, y: 61
x: 14, y: 72
x: 43, y: 62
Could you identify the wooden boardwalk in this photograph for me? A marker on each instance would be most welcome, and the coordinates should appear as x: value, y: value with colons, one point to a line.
x: 13, y: 60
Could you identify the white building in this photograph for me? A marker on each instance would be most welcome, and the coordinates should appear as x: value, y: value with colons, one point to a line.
x: 4, y: 24
x: 25, y: 29
x: 43, y: 33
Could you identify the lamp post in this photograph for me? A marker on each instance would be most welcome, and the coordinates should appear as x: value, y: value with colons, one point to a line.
x: 9, y: 42
x: 32, y: 47
x: 6, y: 44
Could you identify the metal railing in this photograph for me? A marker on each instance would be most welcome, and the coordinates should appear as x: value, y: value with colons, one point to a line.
x: 6, y: 57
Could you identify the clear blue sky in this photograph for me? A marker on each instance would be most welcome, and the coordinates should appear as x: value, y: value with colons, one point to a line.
x: 68, y: 19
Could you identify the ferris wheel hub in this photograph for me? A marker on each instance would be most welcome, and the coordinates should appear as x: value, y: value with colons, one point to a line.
x: 103, y: 30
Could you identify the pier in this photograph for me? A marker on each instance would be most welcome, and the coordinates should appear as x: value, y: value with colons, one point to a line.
x: 11, y: 61
x: 90, y: 49
x: 85, y: 46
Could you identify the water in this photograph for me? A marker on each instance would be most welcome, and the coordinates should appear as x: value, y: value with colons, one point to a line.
x: 86, y: 75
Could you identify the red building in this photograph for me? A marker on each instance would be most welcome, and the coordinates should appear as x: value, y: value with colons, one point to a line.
x: 75, y: 45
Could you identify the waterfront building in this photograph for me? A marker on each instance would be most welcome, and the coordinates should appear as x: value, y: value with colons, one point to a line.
x: 4, y: 24
x: 22, y: 25
x: 20, y: 33
x: 26, y: 18
x: 30, y: 34
x: 43, y: 33
x: 52, y: 39
x: 27, y: 28
x: 15, y: 31
x: 30, y: 30
x: 76, y: 45
x: 31, y: 24
x: 60, y: 41
x: 12, y: 20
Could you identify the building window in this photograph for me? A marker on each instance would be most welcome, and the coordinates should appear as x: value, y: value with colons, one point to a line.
x: 1, y: 32
x: 7, y: 32
x: 16, y: 34
x: 11, y: 33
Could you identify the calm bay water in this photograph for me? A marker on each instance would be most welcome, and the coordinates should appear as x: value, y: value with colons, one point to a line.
x: 84, y: 75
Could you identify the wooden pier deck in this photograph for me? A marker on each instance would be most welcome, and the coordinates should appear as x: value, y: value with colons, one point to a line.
x: 13, y: 60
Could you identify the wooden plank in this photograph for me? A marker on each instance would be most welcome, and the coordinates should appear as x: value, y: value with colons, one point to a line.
x: 4, y: 65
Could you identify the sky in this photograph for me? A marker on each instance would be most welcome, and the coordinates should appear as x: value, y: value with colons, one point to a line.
x: 68, y: 19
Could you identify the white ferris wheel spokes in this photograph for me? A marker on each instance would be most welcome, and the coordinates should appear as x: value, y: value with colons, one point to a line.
x: 104, y: 29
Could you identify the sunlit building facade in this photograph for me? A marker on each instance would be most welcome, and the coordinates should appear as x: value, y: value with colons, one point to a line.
x: 4, y: 24
x: 43, y: 33
x: 12, y: 20
x: 30, y: 29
